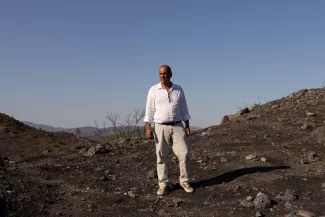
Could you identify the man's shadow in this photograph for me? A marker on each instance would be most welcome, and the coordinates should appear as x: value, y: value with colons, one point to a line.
x: 229, y: 176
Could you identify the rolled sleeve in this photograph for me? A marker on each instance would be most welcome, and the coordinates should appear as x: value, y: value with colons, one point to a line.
x: 184, y: 110
x: 150, y: 107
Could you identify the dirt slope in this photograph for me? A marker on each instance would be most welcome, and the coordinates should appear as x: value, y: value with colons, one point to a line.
x: 116, y: 180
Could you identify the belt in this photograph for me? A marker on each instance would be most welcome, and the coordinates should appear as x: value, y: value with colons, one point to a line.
x: 171, y: 123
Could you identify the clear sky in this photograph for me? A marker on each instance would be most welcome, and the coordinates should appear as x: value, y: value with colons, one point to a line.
x: 68, y: 63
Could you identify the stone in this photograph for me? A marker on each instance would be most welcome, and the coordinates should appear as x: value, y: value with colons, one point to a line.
x: 134, y: 189
x: 305, y: 126
x: 163, y: 213
x: 99, y: 169
x: 275, y: 106
x: 263, y: 159
x: 83, y: 151
x: 310, y: 114
x: 304, y: 213
x: 311, y: 157
x: 288, y: 204
x: 254, y: 106
x: 177, y: 202
x: 91, y: 151
x: 258, y: 214
x: 152, y: 174
x: 300, y: 93
x: 323, y: 185
x: 246, y: 203
x: 291, y: 215
x: 251, y: 157
x: 131, y: 194
x: 249, y: 198
x: 223, y: 159
x: 225, y: 119
x: 103, y: 178
x: 288, y: 196
x: 262, y: 201
x: 319, y: 135
x: 107, y: 172
x: 243, y: 111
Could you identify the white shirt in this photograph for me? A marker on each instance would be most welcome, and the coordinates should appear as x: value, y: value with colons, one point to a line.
x: 165, y: 107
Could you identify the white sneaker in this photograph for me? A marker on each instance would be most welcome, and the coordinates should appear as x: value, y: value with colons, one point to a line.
x: 187, y: 187
x: 162, y: 191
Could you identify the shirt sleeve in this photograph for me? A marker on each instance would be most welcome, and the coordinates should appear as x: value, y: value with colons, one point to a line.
x: 150, y: 107
x: 184, y: 110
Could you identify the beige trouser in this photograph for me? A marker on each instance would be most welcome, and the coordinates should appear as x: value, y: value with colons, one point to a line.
x: 165, y: 137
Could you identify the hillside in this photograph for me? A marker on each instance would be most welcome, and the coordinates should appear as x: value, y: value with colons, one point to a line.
x: 276, y: 149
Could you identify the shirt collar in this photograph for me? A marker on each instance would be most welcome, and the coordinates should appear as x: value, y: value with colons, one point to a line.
x: 160, y: 86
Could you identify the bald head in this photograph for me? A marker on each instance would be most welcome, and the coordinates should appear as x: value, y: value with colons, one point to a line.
x: 165, y: 68
x: 165, y: 73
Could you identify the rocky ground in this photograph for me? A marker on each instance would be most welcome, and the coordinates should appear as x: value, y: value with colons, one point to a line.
x: 267, y: 160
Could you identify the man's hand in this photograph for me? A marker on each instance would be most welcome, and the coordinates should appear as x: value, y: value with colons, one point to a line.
x: 187, y: 131
x: 149, y: 134
x: 187, y: 128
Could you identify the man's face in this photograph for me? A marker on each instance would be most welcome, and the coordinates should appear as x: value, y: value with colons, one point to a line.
x: 164, y: 75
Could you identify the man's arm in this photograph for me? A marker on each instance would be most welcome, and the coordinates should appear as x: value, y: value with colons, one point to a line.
x: 148, y: 118
x: 185, y: 114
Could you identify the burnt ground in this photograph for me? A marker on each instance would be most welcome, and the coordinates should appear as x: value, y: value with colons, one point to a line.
x: 43, y: 174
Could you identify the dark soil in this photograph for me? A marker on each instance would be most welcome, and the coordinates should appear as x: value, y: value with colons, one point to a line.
x: 42, y: 173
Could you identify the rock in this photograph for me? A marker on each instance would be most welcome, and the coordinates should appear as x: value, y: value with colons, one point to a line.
x: 99, y: 169
x: 299, y: 93
x: 251, y: 157
x: 12, y: 162
x: 223, y: 159
x: 254, y: 106
x: 177, y: 202
x: 131, y: 194
x: 319, y: 135
x: 249, y: 198
x: 305, y: 126
x: 252, y: 117
x: 288, y: 204
x: 103, y: 178
x: 134, y: 189
x: 262, y: 201
x: 83, y: 151
x: 107, y: 172
x: 246, y: 203
x: 152, y: 174
x: 304, y: 213
x: 311, y: 157
x: 323, y: 185
x: 258, y: 214
x: 263, y: 159
x: 243, y: 111
x: 310, y: 113
x: 163, y: 213
x: 225, y: 119
x: 91, y: 151
x: 288, y: 196
x: 275, y: 106
x: 291, y: 215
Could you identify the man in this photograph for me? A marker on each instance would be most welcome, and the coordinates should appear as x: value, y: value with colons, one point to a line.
x: 166, y: 107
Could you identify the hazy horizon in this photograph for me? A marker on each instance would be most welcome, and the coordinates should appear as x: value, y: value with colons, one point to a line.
x: 69, y: 63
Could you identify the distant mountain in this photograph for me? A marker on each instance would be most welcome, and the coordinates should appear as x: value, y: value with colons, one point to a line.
x: 88, y: 131
x: 44, y: 127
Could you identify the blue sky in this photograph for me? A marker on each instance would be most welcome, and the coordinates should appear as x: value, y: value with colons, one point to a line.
x: 68, y: 63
